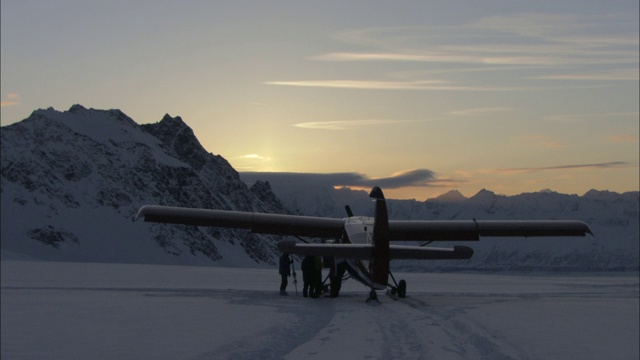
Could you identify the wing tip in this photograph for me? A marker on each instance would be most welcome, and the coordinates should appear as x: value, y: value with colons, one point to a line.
x: 141, y: 212
x: 587, y: 229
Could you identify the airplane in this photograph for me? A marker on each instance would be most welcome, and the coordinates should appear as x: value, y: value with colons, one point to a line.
x: 361, y: 245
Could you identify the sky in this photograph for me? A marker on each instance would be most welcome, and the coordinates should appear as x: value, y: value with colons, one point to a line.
x: 421, y: 97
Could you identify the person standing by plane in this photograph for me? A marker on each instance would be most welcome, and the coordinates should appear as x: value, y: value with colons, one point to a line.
x: 317, y: 277
x: 308, y: 267
x: 285, y: 272
x: 336, y: 273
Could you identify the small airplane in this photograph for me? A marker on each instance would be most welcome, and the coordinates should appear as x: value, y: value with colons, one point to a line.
x: 361, y: 245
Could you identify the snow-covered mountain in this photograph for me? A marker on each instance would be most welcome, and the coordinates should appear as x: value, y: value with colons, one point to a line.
x: 72, y: 182
x: 613, y: 218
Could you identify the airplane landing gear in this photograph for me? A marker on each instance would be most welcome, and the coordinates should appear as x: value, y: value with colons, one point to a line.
x: 402, y: 289
x: 373, y: 297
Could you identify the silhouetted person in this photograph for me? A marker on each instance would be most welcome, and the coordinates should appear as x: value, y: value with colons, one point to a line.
x: 308, y: 270
x: 285, y: 272
x: 317, y: 277
x: 335, y: 275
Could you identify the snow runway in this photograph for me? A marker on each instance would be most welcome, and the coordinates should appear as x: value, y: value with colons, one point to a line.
x: 108, y: 311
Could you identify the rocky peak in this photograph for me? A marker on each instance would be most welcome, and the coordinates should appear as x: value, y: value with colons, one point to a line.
x: 262, y: 190
x: 76, y: 108
x: 598, y: 194
x: 547, y: 191
x: 94, y: 114
x: 71, y: 182
x: 451, y: 196
x: 179, y: 138
x: 483, y: 195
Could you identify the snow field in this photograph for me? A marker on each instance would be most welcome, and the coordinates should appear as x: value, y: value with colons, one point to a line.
x: 108, y: 311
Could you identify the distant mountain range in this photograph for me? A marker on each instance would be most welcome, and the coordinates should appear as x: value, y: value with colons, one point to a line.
x: 71, y: 183
x: 613, y: 217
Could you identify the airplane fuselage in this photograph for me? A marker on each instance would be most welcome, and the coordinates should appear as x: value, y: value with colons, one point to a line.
x: 359, y: 231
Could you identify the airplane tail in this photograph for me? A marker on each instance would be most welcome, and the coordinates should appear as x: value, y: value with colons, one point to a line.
x: 380, y: 260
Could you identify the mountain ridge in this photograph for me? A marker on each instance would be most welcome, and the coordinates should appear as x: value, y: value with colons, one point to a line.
x: 67, y: 176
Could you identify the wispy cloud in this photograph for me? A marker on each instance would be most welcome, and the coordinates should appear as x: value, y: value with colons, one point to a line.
x: 532, y: 25
x: 623, y: 138
x: 567, y: 118
x: 354, y: 56
x: 481, y: 111
x: 10, y: 100
x: 362, y: 84
x: 457, y: 55
x: 256, y: 157
x: 347, y: 124
x: 414, y: 177
x: 541, y: 34
x: 389, y: 85
x: 610, y: 75
x: 607, y: 165
x: 529, y: 46
x: 430, y: 72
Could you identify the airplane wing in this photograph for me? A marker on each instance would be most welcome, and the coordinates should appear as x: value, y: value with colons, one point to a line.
x: 365, y: 251
x: 450, y: 230
x: 399, y: 230
x: 275, y: 224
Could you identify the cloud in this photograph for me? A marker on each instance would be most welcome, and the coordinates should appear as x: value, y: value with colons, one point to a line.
x: 389, y: 85
x: 455, y: 55
x: 346, y: 124
x: 414, y: 177
x: 354, y: 56
x: 599, y: 47
x: 623, y: 138
x: 421, y: 73
x: 360, y: 84
x: 480, y: 111
x: 537, y: 36
x: 533, y: 25
x: 610, y: 75
x: 568, y: 118
x: 607, y: 165
x: 11, y: 100
x: 253, y: 157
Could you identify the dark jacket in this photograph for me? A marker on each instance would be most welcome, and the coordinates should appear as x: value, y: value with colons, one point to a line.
x: 285, y: 263
x: 308, y: 268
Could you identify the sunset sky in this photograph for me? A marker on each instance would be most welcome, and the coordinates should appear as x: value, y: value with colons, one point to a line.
x: 421, y: 97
